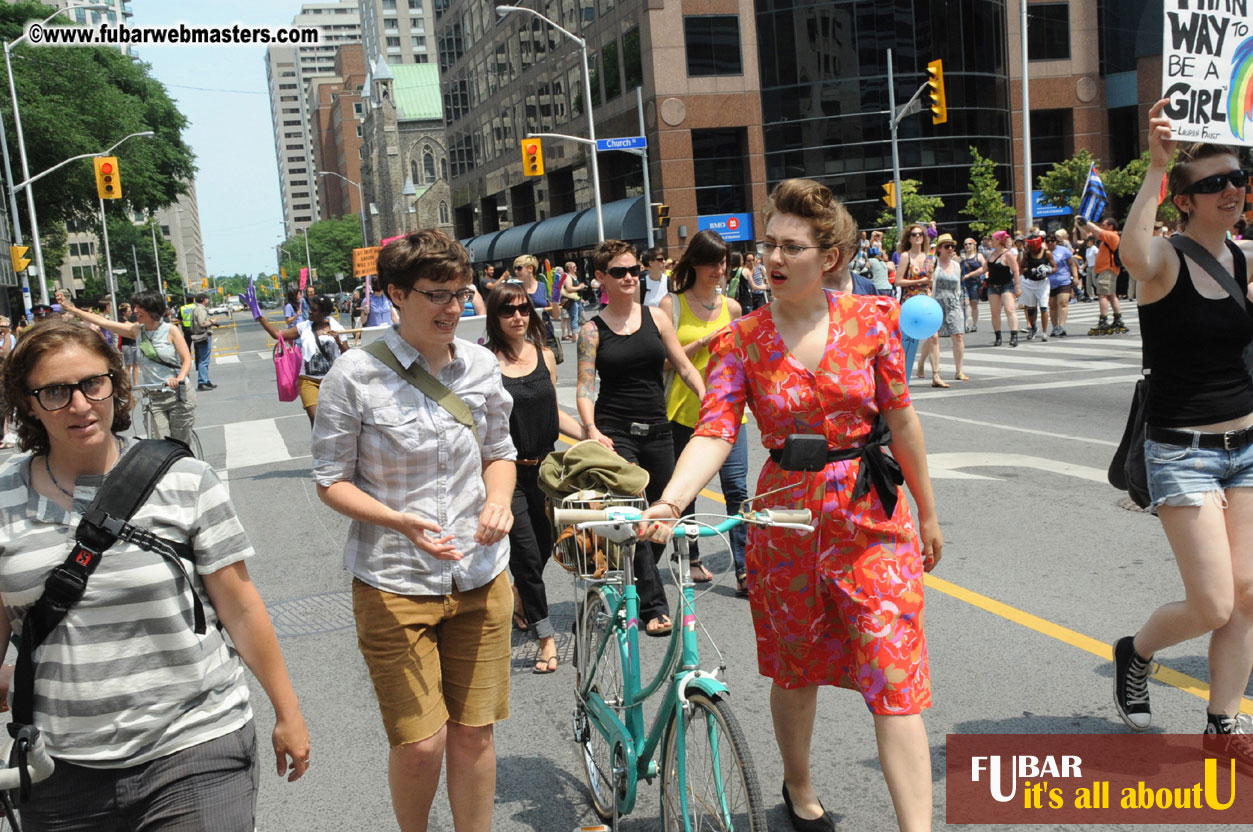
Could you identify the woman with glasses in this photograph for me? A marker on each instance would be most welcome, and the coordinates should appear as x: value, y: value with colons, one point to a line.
x: 164, y: 361
x: 1199, y: 447
x: 627, y: 345
x: 130, y: 696
x: 914, y: 275
x: 524, y: 269
x: 842, y: 606
x: 529, y: 369
x: 948, y: 293
x: 1004, y: 285
x: 699, y: 311
x: 320, y: 343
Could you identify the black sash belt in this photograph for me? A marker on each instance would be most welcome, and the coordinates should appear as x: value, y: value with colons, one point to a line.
x: 877, y: 469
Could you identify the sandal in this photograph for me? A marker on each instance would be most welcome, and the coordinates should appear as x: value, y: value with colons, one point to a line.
x: 741, y: 585
x: 961, y: 377
x: 545, y: 666
x: 519, y: 622
x: 936, y: 381
x: 663, y: 628
x: 705, y: 575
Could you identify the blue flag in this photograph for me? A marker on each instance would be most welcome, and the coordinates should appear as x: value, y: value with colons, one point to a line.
x: 1093, y: 203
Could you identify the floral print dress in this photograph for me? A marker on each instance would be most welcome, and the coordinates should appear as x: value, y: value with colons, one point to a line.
x: 844, y: 605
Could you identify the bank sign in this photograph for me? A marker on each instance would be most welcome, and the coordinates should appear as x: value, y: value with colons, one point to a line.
x: 733, y: 228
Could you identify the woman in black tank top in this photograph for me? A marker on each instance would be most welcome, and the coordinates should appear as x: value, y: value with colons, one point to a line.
x: 628, y: 345
x: 1199, y: 451
x: 1004, y: 287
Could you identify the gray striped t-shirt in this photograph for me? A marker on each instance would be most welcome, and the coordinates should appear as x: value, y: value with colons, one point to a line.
x: 124, y: 678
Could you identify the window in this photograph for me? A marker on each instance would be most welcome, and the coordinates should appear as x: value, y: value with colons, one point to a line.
x: 389, y: 5
x: 443, y: 168
x: 419, y: 41
x: 413, y: 171
x: 713, y: 45
x: 444, y: 219
x: 393, y: 43
x: 390, y: 24
x: 357, y: 108
x: 1048, y: 31
x: 428, y: 166
x: 720, y: 170
x: 613, y: 78
x: 632, y: 66
x: 415, y: 5
x: 358, y: 131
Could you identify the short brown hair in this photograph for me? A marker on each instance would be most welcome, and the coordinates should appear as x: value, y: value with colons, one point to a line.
x: 832, y: 225
x: 429, y: 254
x: 1180, y: 176
x: 39, y: 341
x: 608, y: 251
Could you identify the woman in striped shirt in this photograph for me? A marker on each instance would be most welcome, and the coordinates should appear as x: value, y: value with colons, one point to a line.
x: 130, y: 697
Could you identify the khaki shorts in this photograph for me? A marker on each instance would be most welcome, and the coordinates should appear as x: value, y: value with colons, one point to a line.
x: 309, y: 388
x: 436, y: 658
x: 1105, y: 282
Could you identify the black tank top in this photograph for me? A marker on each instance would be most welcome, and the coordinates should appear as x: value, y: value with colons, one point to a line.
x: 999, y: 273
x: 1031, y: 267
x: 630, y: 368
x: 1194, y: 347
x: 533, y: 422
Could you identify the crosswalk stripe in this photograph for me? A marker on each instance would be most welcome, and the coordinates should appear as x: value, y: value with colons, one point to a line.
x: 1039, y: 360
x: 984, y: 369
x: 226, y: 359
x: 1053, y: 347
x: 257, y: 442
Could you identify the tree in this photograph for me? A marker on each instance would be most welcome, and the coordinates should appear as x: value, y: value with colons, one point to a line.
x: 77, y: 100
x: 330, y: 251
x: 123, y: 235
x: 914, y: 206
x: 986, y: 205
x: 1126, y: 181
x: 1063, y: 185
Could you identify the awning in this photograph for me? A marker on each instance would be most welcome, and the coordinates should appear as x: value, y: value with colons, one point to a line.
x: 625, y: 219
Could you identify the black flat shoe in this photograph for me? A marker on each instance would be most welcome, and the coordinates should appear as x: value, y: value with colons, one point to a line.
x: 800, y: 824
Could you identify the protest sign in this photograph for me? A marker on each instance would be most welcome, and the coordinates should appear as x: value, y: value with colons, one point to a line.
x: 1207, y: 70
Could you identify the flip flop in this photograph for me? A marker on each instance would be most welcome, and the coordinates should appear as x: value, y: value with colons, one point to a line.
x: 961, y: 377
x: 545, y: 666
x: 706, y: 575
x: 663, y: 630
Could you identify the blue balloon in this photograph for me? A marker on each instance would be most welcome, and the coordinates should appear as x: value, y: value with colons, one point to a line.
x: 921, y: 317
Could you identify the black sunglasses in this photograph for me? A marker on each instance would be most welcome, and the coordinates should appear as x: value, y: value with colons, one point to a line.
x: 507, y: 310
x: 619, y: 272
x: 1218, y: 182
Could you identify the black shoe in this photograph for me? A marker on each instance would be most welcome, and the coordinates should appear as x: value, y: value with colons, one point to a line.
x: 1229, y: 737
x: 997, y: 342
x: 800, y: 824
x: 203, y: 387
x: 1131, y: 685
x: 1013, y: 339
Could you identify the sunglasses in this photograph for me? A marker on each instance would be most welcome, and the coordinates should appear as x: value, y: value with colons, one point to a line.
x: 619, y: 272
x: 1218, y: 182
x: 507, y: 310
x: 917, y: 234
x: 520, y: 268
x: 948, y: 245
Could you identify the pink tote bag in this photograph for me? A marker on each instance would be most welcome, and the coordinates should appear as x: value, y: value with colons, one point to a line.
x: 287, y: 365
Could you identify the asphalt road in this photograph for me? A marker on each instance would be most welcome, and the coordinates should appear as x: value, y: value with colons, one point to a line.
x: 1043, y: 567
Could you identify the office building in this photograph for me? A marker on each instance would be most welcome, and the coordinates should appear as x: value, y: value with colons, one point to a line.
x: 337, y: 114
x: 397, y: 30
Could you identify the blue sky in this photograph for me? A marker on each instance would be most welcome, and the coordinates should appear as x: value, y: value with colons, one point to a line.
x: 222, y: 92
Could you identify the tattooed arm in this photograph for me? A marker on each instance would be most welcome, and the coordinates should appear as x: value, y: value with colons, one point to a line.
x: 589, y: 340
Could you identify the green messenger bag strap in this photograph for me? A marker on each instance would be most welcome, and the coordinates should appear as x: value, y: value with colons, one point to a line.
x: 427, y: 384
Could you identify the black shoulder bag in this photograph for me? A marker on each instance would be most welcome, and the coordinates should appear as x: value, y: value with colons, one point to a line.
x: 106, y: 521
x: 1127, y: 470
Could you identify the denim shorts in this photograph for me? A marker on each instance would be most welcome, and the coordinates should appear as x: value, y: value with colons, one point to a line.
x: 1181, y: 475
x: 1001, y: 288
x: 971, y: 287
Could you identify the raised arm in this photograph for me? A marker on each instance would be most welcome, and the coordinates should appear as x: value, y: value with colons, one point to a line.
x: 1144, y: 255
x: 122, y: 328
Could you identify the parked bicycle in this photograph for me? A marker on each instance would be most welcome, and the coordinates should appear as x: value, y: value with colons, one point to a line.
x: 708, y: 780
x: 31, y: 765
x: 148, y: 418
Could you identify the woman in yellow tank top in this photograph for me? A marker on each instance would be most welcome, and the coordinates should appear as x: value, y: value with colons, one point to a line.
x: 699, y: 310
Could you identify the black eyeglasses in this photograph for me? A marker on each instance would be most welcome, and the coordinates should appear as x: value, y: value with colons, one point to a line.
x: 443, y: 297
x: 1218, y: 182
x: 917, y: 234
x: 789, y: 249
x: 1050, y: 239
x: 619, y: 272
x: 507, y: 310
x: 57, y: 396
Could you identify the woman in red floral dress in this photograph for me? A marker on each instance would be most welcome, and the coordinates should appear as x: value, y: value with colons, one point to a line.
x: 843, y: 606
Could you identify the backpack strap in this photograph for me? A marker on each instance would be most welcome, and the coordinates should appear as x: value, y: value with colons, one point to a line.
x: 124, y: 490
x: 427, y: 384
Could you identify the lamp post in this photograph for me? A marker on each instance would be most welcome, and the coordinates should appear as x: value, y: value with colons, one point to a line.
x: 587, y: 104
x: 21, y: 147
x: 365, y: 238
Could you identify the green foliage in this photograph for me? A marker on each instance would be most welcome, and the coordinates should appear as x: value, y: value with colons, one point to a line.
x: 915, y: 208
x: 123, y: 234
x: 1126, y: 181
x: 77, y: 100
x: 1063, y: 185
x: 330, y: 252
x: 987, y: 206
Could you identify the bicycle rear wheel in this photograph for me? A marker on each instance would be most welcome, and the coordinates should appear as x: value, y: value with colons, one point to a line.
x: 599, y: 758
x: 721, y: 788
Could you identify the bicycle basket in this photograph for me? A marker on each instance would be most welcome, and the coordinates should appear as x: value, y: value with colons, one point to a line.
x: 586, y: 554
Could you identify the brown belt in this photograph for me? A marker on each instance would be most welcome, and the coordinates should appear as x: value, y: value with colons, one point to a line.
x: 526, y: 462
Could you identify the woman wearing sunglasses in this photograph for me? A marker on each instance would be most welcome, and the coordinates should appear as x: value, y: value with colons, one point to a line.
x: 842, y: 606
x: 517, y: 337
x: 129, y: 696
x: 627, y: 345
x: 1199, y: 448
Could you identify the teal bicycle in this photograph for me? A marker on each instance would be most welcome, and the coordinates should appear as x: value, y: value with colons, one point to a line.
x: 708, y: 780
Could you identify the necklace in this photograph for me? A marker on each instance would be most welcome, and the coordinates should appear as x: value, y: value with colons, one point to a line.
x: 709, y: 307
x: 60, y: 487
x: 626, y: 323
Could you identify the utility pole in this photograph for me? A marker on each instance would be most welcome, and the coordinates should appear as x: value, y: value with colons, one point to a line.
x: 1026, y: 124
x: 139, y: 284
x: 156, y: 258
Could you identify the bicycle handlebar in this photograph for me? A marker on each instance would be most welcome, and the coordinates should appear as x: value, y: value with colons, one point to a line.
x: 781, y: 518
x: 38, y: 762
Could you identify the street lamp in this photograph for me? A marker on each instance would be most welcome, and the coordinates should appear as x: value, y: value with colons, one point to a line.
x: 365, y: 238
x: 21, y: 147
x: 587, y: 103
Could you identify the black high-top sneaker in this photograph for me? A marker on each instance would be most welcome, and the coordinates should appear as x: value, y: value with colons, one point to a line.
x: 1230, y: 737
x: 1131, y: 685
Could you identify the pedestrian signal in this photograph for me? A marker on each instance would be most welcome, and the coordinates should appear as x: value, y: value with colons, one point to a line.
x: 108, y: 179
x: 532, y: 157
x: 18, y: 255
x: 661, y: 215
x: 890, y: 196
x: 939, y: 102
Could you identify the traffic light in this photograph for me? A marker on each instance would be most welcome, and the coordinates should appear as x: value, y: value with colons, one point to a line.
x: 661, y: 215
x: 532, y: 157
x: 108, y: 178
x: 890, y: 196
x: 283, y: 272
x: 204, y: 283
x: 939, y: 102
x: 18, y: 255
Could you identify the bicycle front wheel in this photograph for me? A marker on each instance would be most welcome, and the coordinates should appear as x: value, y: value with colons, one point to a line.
x: 599, y: 761
x: 719, y: 790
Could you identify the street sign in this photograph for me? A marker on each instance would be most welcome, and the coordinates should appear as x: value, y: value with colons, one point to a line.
x: 365, y: 261
x: 1041, y: 209
x: 625, y: 143
x: 732, y: 227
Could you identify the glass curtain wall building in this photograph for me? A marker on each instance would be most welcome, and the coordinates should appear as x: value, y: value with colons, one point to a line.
x: 825, y: 96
